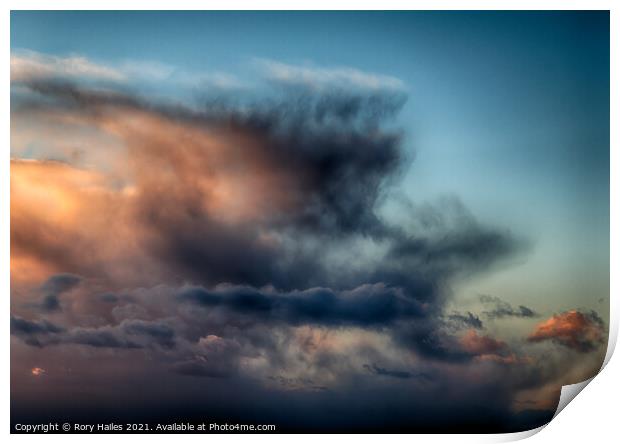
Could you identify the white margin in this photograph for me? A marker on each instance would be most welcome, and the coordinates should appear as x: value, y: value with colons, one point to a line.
x: 571, y: 391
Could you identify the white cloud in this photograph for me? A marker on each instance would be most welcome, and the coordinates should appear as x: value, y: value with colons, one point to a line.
x: 317, y: 77
x: 147, y: 69
x: 29, y: 65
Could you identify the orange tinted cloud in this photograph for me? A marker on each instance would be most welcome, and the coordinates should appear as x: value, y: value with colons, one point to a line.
x: 66, y: 218
x: 488, y: 349
x: 583, y: 332
x: 227, y: 172
x: 108, y: 222
x: 37, y: 371
x: 481, y: 345
x: 182, y: 195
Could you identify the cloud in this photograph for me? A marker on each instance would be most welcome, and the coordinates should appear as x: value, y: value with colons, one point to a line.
x: 213, y: 357
x: 399, y: 374
x: 321, y: 78
x: 21, y: 326
x: 488, y: 349
x: 468, y: 320
x: 332, y: 177
x: 582, y: 332
x: 482, y: 345
x: 127, y: 334
x: 245, y: 241
x: 502, y: 309
x: 109, y: 298
x: 297, y: 383
x: 235, y: 165
x: 431, y: 342
x: 33, y: 333
x: 37, y: 371
x: 60, y: 283
x: 367, y: 305
x: 54, y: 287
x: 28, y: 66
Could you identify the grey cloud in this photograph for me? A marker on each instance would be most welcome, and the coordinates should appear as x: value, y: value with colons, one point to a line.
x: 127, y: 334
x: 110, y: 298
x: 31, y: 332
x: 399, y: 374
x: 343, y: 159
x: 54, y: 287
x: 467, y: 320
x: 432, y: 342
x: 502, y: 309
x: 213, y: 357
x: 367, y: 305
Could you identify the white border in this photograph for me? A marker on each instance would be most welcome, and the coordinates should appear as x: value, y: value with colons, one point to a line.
x: 590, y: 418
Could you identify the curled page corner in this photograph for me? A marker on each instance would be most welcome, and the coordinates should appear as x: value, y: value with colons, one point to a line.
x: 518, y: 436
x: 568, y: 393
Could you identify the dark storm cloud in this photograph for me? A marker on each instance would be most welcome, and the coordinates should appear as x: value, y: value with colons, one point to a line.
x: 306, y: 384
x: 312, y: 168
x: 33, y: 333
x: 332, y: 142
x: 54, y: 287
x: 99, y: 338
x: 502, y: 309
x: 465, y: 247
x: 444, y: 241
x: 365, y: 306
x: 332, y: 148
x: 468, y: 320
x: 430, y: 341
x: 435, y: 339
x: 339, y: 160
x: 337, y: 145
x: 212, y: 252
x: 20, y: 326
x: 127, y: 334
x: 399, y: 374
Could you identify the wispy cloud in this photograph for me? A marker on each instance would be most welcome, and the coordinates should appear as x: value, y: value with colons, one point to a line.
x: 321, y: 77
x: 502, y: 309
x: 29, y: 65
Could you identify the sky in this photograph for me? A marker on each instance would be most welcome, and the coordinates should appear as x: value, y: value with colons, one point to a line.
x: 326, y: 214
